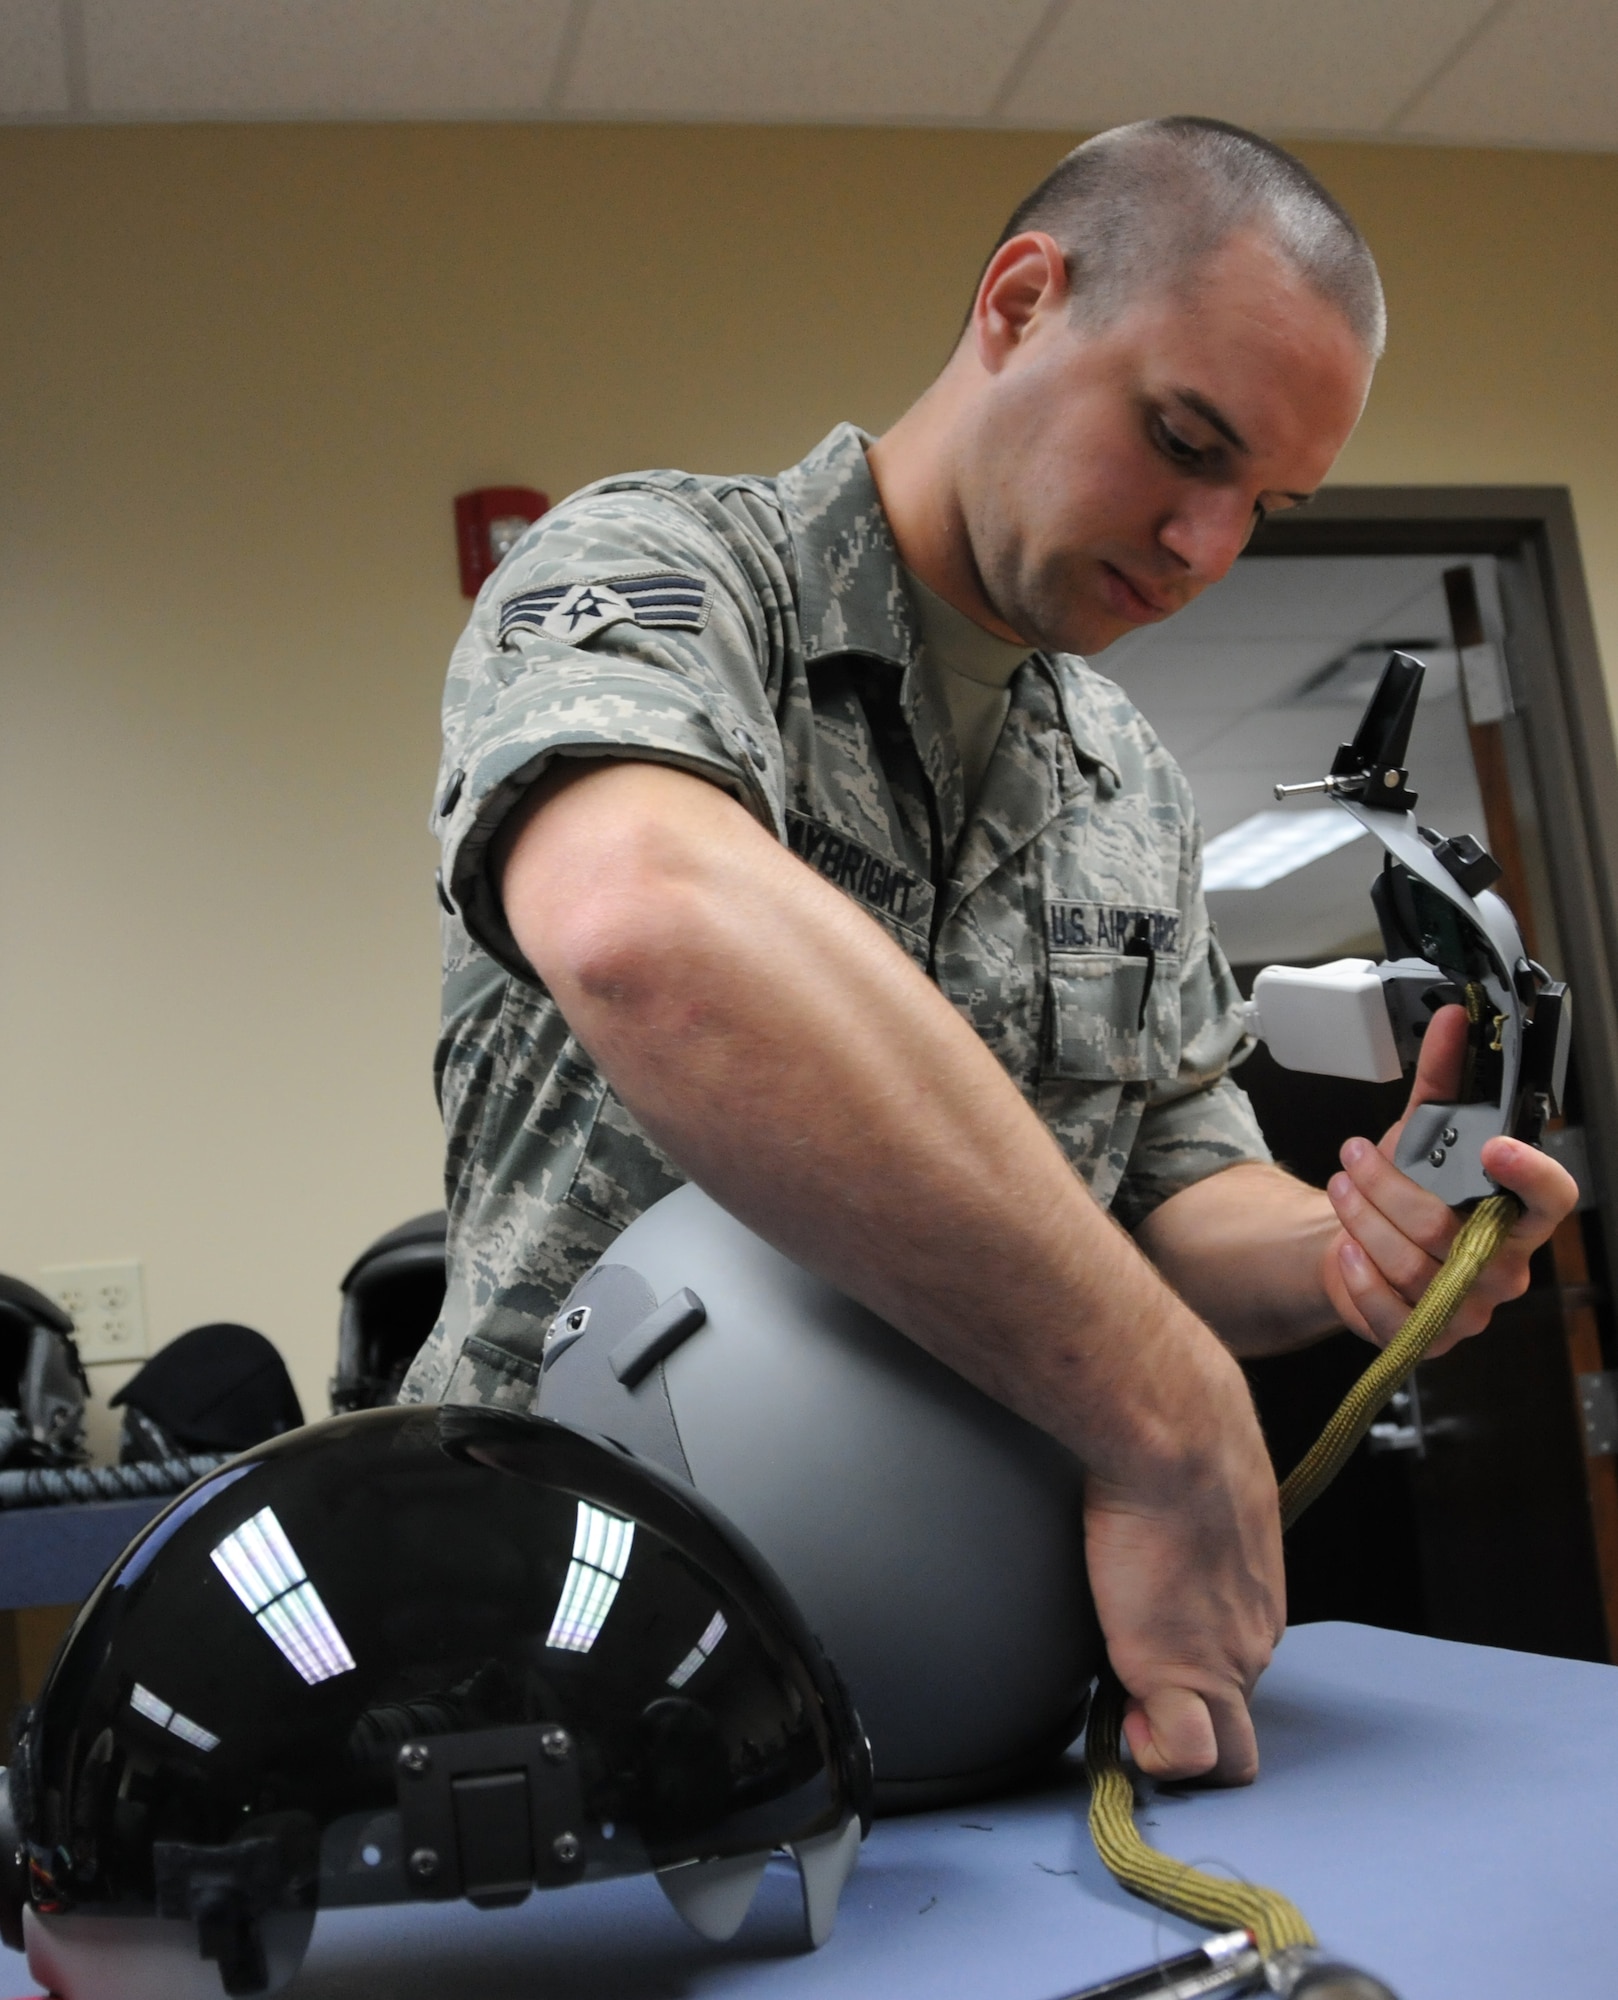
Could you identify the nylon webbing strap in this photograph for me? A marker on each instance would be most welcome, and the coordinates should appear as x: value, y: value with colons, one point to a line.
x: 1175, y: 1885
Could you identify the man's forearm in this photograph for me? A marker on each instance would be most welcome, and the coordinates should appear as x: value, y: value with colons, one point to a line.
x: 1244, y: 1249
x: 793, y: 1061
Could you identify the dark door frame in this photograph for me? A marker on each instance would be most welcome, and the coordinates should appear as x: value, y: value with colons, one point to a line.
x: 1561, y: 695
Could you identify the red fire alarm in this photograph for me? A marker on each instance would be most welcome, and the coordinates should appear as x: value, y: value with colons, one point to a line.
x: 487, y: 523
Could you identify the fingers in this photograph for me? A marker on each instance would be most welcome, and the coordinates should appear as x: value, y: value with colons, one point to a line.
x: 1396, y: 1235
x: 1174, y: 1733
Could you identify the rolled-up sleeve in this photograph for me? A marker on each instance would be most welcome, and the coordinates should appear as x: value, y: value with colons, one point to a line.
x: 519, y: 694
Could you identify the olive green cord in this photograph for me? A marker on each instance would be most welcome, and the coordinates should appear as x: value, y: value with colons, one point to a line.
x: 1175, y: 1885
x: 1211, y: 1900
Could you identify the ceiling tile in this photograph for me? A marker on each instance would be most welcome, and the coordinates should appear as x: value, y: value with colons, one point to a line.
x: 1279, y: 65
x: 308, y: 58
x: 33, y: 62
x: 1545, y: 73
x: 830, y: 59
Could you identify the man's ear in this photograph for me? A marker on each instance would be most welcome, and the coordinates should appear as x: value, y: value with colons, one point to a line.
x: 1026, y: 280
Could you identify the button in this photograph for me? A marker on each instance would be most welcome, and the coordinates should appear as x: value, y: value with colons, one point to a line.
x: 755, y: 753
x: 452, y: 793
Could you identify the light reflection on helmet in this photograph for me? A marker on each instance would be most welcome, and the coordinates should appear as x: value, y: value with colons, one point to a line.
x: 417, y: 1655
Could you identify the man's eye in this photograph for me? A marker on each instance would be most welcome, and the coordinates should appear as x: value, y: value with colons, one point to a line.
x: 1178, y: 450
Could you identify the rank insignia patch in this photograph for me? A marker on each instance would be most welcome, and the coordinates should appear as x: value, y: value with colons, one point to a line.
x: 574, y: 612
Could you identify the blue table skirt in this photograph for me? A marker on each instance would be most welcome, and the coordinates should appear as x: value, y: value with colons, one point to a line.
x: 57, y: 1555
x: 1446, y: 1816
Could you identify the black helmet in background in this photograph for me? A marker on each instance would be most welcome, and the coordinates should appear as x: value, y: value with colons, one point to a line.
x: 43, y: 1386
x: 220, y: 1387
x: 392, y: 1293
x: 933, y: 1540
x: 416, y: 1654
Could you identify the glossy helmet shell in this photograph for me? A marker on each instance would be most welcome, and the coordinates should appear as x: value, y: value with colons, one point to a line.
x: 933, y: 1540
x: 417, y: 1654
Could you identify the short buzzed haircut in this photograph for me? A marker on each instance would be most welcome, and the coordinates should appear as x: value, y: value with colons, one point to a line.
x: 1139, y: 208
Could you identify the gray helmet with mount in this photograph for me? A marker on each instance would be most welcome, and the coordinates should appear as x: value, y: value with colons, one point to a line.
x: 933, y: 1540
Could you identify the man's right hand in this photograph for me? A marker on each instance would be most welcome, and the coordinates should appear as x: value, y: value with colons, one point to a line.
x: 714, y: 978
x: 1188, y: 1582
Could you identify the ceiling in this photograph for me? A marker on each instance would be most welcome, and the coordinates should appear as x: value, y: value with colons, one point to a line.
x: 1465, y: 72
x: 1227, y: 685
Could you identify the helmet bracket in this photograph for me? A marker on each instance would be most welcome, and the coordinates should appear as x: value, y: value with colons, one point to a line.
x: 226, y: 1890
x: 490, y: 1813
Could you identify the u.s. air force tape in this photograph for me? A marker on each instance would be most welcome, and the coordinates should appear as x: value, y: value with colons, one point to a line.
x: 882, y: 886
x: 575, y: 612
x: 1111, y: 927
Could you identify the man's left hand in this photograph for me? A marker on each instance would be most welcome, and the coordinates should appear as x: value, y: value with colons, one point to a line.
x: 1394, y: 1235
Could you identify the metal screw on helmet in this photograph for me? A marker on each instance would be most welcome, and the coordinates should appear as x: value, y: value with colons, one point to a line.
x: 416, y: 1759
x: 566, y: 1848
x: 555, y: 1742
x: 424, y: 1864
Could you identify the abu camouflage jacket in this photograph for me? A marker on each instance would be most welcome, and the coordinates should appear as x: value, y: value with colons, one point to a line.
x: 758, y: 632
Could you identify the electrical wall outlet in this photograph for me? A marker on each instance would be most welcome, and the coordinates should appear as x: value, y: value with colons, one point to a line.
x: 104, y: 1302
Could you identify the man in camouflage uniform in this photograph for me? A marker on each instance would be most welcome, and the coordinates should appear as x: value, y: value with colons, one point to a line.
x: 702, y: 776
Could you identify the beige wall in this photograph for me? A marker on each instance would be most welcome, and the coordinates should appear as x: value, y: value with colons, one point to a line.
x: 242, y: 372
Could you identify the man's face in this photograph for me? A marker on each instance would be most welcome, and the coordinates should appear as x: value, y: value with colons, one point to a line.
x: 1110, y: 476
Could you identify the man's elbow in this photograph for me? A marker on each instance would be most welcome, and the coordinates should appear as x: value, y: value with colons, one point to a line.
x: 616, y: 910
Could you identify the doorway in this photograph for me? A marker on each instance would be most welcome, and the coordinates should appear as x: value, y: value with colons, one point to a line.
x: 1486, y: 1508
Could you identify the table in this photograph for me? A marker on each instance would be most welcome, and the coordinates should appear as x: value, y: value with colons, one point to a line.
x: 1447, y: 1816
x: 57, y: 1555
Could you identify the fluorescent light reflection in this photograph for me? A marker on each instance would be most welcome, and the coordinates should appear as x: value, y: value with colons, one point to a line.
x: 712, y: 1634
x: 601, y: 1545
x: 1271, y: 844
x: 262, y: 1567
x: 144, y: 1702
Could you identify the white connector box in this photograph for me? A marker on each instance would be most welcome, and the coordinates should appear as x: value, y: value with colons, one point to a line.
x: 1331, y: 1020
x: 106, y: 1305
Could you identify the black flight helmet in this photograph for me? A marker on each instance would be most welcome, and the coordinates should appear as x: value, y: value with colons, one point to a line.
x: 392, y: 1294
x: 414, y: 1655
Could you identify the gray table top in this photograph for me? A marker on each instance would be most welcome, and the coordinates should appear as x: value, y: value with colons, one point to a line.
x: 1446, y: 1816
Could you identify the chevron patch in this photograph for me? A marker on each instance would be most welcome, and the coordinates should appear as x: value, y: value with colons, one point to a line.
x: 574, y: 612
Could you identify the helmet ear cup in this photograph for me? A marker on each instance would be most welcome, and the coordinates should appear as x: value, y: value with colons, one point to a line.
x: 89, y: 1957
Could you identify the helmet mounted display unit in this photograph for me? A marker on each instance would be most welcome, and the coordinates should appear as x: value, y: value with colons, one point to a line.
x: 1449, y: 938
x: 413, y: 1655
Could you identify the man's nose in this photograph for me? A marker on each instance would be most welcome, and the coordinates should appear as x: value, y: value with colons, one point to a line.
x: 1206, y: 531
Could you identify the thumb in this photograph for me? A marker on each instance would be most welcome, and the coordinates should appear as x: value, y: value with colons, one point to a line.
x: 1438, y: 1072
x: 1171, y: 1734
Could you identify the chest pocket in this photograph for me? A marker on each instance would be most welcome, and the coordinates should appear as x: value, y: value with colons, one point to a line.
x: 1113, y: 1013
